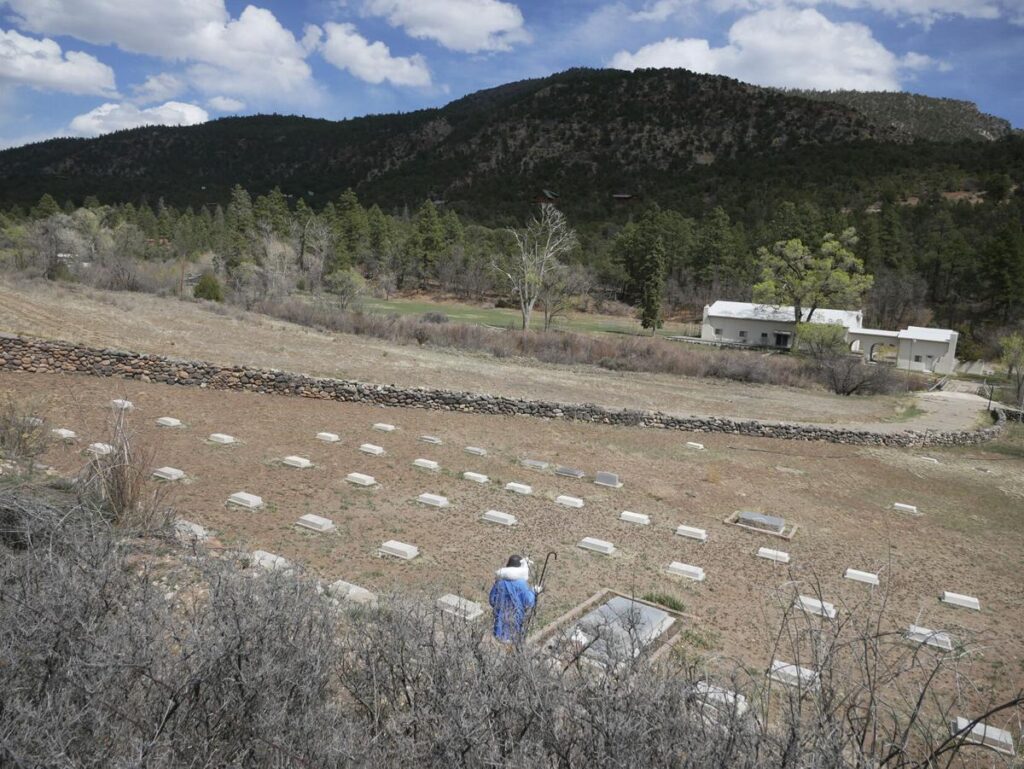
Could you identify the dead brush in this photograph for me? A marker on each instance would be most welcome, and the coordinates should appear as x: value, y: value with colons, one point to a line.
x: 24, y: 437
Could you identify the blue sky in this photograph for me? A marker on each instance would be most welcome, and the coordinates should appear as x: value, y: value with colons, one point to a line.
x: 86, y: 67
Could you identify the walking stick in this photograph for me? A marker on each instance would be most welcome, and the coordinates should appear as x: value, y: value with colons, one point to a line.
x: 540, y: 584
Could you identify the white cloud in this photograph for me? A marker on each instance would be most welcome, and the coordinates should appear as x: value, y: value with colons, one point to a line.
x: 460, y: 25
x: 158, y: 88
x: 41, y: 64
x: 115, y: 117
x: 660, y: 10
x: 347, y: 49
x: 922, y: 11
x: 225, y: 104
x: 789, y: 48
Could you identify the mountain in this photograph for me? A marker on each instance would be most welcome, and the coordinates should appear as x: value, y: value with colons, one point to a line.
x: 583, y: 135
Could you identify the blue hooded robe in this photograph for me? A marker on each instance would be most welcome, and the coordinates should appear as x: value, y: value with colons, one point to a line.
x: 510, y: 598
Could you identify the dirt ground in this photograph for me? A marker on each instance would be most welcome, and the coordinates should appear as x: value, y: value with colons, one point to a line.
x: 145, y: 323
x: 969, y: 537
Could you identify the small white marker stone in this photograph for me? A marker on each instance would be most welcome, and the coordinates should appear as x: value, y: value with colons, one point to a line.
x: 696, y: 573
x: 1000, y: 740
x: 692, y: 532
x: 398, y: 549
x: 596, y: 545
x: 432, y: 439
x: 348, y: 592
x: 773, y: 555
x: 433, y: 500
x: 328, y: 437
x: 222, y: 438
x: 611, y: 480
x: 268, y: 561
x: 186, y: 531
x: 476, y: 451
x: 168, y: 422
x: 315, y: 523
x: 814, y: 606
x: 567, y: 501
x: 169, y: 473
x: 695, y: 446
x: 384, y: 427
x: 637, y: 518
x: 119, y: 404
x: 519, y: 488
x: 476, y: 477
x: 534, y: 464
x: 963, y: 601
x: 359, y: 479
x: 64, y: 434
x: 459, y: 607
x: 369, y: 448
x: 929, y: 637
x: 861, y: 576
x: 495, y: 516
x: 722, y: 699
x: 300, y: 462
x: 244, y: 499
x: 793, y: 675
x: 905, y: 508
x: 100, y: 449
x: 426, y: 464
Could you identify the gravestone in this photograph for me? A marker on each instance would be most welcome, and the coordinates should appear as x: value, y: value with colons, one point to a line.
x: 32, y: 422
x: 722, y: 700
x: 426, y: 464
x: 502, y: 519
x: 476, y: 477
x: 269, y: 561
x: 119, y: 404
x: 923, y: 635
x: 793, y: 675
x: 433, y: 500
x: 637, y: 518
x: 462, y: 608
x: 596, y: 545
x: 99, y: 449
x: 695, y: 446
x: 359, y: 479
x: 903, y: 508
x: 761, y: 521
x: 810, y: 605
x: 370, y: 448
x: 696, y: 573
x: 861, y: 576
x: 169, y: 473
x: 315, y: 523
x: 346, y: 591
x: 692, y: 532
x: 186, y: 531
x: 300, y: 462
x: 246, y: 500
x: 328, y: 437
x: 773, y: 555
x: 64, y: 434
x: 611, y: 480
x: 518, y: 488
x: 432, y: 439
x: 222, y: 438
x: 933, y: 460
x: 475, y: 451
x: 567, y: 501
x: 534, y: 464
x: 1000, y: 740
x: 570, y: 472
x: 963, y: 601
x: 619, y: 629
x: 168, y: 422
x: 397, y: 549
x: 384, y: 427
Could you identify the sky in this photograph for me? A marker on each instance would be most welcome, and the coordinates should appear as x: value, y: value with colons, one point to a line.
x: 88, y: 67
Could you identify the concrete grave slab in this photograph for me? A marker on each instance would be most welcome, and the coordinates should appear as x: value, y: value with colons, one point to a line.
x: 431, y: 439
x: 905, y: 508
x: 186, y: 531
x: 963, y: 601
x: 168, y: 422
x: 500, y: 518
x: 929, y: 637
x: 793, y: 675
x: 397, y: 549
x: 610, y: 480
x: 246, y: 500
x: 315, y: 523
x: 535, y: 464
x: 433, y: 500
x: 762, y: 523
x: 346, y: 591
x: 328, y: 437
x: 1000, y: 740
x: 695, y: 446
x: 620, y: 629
x: 518, y: 488
x: 222, y: 438
x: 475, y: 451
x: 99, y: 449
x: 120, y: 404
x: 773, y: 555
x: 360, y: 479
x: 300, y: 462
x: 384, y: 427
x: 372, y: 449
x: 861, y: 576
x: 269, y: 561
x: 570, y: 472
x: 696, y: 573
x: 638, y: 518
x: 692, y: 532
x: 427, y: 464
x: 64, y: 434
x: 567, y: 501
x: 462, y: 608
x: 596, y: 545
x: 476, y: 477
x: 722, y: 700
x: 169, y: 473
x: 811, y: 605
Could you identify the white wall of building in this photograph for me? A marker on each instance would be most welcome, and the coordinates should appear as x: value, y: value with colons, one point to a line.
x: 934, y: 357
x: 746, y: 331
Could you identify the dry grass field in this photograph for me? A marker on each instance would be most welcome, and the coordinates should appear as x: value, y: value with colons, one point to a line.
x: 969, y: 537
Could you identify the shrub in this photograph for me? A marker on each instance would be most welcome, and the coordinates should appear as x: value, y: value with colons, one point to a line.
x: 208, y: 288
x: 433, y: 317
x: 23, y: 436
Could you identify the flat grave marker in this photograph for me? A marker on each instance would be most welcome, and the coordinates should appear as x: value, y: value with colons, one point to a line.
x: 500, y: 518
x: 961, y: 600
x: 596, y: 545
x: 361, y: 479
x: 566, y: 501
x: 611, y: 480
x: 692, y: 532
x: 397, y: 549
x: 433, y: 500
x: 186, y: 531
x: 861, y: 576
x: 793, y: 675
x: 696, y: 573
x: 315, y: 523
x: 518, y: 488
x: 168, y: 422
x: 372, y: 449
x: 929, y: 637
x: 1000, y: 740
x: 120, y: 404
x: 384, y: 427
x: 570, y: 472
x: 905, y: 508
x: 695, y: 446
x: 169, y: 473
x: 246, y: 500
x: 638, y: 518
x: 475, y: 451
x: 476, y: 477
x: 535, y: 464
x: 99, y: 449
x: 346, y: 591
x: 773, y: 555
x: 269, y: 561
x: 427, y: 464
x: 762, y: 523
x: 222, y: 438
x: 431, y: 439
x: 64, y: 434
x: 810, y: 605
x: 328, y: 437
x: 459, y: 607
x: 300, y: 462
x: 721, y: 699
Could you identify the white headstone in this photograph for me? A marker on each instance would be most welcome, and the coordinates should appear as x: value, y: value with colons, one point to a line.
x: 244, y: 499
x: 567, y: 501
x: 495, y: 516
x: 773, y: 555
x: 460, y: 607
x: 398, y: 549
x: 933, y: 460
x: 346, y: 591
x: 861, y: 576
x: 434, y: 500
x: 923, y: 635
x: 611, y: 480
x: 432, y: 439
x: 359, y: 479
x: 692, y: 532
x: 597, y: 545
x: 268, y: 561
x: 963, y: 601
x: 169, y: 473
x: 426, y: 464
x: 222, y: 438
x: 638, y: 518
x: 722, y: 699
x: 384, y: 427
x: 476, y: 451
x: 534, y: 464
x: 811, y: 605
x: 369, y: 448
x: 168, y: 422
x: 186, y: 531
x: 903, y: 508
x: 119, y: 404
x: 99, y: 449
x: 1000, y: 740
x: 315, y: 523
x: 570, y: 472
x: 300, y: 462
x: 328, y: 437
x: 476, y: 477
x: 793, y: 675
x: 64, y: 434
x: 519, y: 488
x: 696, y: 573
x: 695, y: 446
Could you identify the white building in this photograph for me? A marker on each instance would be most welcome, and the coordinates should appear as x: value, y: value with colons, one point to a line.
x: 758, y: 325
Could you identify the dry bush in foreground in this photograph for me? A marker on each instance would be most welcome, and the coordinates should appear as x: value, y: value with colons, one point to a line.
x: 23, y: 436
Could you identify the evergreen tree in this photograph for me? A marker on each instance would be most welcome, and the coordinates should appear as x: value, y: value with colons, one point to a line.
x: 427, y: 242
x: 351, y: 223
x: 45, y: 208
x: 240, y: 228
x: 652, y: 286
x: 271, y: 213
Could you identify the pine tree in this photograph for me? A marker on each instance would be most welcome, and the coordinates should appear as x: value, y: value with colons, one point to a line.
x: 652, y: 285
x: 45, y: 208
x: 428, y: 239
x: 240, y: 227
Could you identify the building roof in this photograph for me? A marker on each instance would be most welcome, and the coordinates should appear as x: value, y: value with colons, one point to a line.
x: 919, y: 334
x: 782, y: 313
x: 875, y: 332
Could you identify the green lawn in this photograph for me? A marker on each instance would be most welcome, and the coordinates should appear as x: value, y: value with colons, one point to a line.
x: 467, y: 313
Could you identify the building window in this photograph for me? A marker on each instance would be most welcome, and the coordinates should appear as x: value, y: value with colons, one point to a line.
x: 718, y: 332
x: 743, y: 335
x: 917, y: 359
x: 764, y: 337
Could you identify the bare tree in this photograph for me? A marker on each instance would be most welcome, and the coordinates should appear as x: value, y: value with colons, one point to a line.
x: 561, y: 288
x: 536, y: 256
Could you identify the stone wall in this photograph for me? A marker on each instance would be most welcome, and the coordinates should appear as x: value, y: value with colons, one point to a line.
x: 40, y: 356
